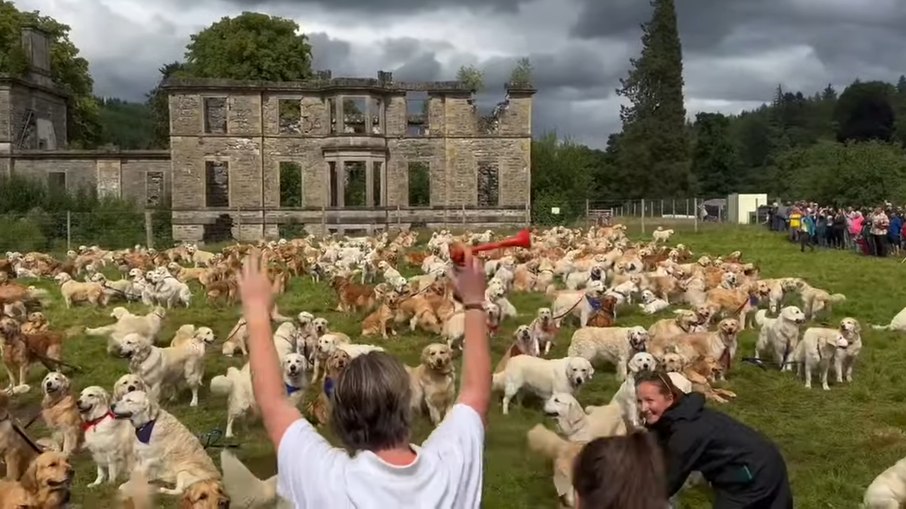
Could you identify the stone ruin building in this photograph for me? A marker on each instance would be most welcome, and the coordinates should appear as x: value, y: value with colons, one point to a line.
x: 327, y: 154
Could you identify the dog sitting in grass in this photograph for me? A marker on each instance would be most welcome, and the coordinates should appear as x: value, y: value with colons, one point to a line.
x: 320, y: 407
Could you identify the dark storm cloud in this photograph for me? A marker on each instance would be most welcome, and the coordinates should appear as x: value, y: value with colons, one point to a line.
x: 381, y: 6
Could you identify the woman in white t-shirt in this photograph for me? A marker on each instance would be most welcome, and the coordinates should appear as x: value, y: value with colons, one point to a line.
x: 371, y: 416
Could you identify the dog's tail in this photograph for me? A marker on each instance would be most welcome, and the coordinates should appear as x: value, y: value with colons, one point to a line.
x: 223, y: 384
x: 881, y: 327
x: 545, y: 442
x: 837, y: 298
x: 241, y: 485
x: 760, y: 315
x: 498, y: 382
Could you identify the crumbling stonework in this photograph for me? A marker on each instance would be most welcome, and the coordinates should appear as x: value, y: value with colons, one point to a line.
x: 365, y: 121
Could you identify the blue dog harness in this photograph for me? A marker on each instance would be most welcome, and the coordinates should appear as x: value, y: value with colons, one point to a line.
x: 328, y: 386
x: 143, y: 434
x: 290, y: 389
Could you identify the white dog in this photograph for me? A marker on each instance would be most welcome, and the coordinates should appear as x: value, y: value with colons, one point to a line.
x: 543, y: 377
x: 579, y: 426
x: 108, y: 439
x: 130, y: 382
x: 237, y: 385
x: 626, y: 394
x: 888, y: 490
x: 615, y: 345
x: 820, y: 346
x: 897, y: 323
x: 165, y: 450
x: 164, y: 367
x: 779, y: 334
x: 147, y: 325
x: 661, y: 235
x: 651, y: 304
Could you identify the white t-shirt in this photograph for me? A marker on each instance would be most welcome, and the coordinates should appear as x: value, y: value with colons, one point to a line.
x: 446, y: 473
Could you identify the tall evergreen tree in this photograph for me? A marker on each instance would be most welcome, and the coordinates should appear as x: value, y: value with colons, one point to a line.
x: 715, y: 161
x: 654, y: 144
x: 901, y: 84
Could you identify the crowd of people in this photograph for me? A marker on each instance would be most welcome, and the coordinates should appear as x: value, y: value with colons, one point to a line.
x: 873, y: 232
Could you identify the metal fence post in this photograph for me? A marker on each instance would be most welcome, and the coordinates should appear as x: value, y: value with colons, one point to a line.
x: 149, y: 230
x: 695, y: 212
x: 68, y: 230
x: 643, y: 216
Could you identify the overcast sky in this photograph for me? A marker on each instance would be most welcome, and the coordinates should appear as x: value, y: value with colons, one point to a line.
x: 736, y: 51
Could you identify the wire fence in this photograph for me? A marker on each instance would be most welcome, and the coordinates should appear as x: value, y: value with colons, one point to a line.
x: 62, y: 231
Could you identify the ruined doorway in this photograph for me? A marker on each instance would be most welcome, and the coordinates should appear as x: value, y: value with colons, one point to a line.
x: 221, y: 230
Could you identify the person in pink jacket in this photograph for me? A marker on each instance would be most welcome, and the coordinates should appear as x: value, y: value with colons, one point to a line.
x: 855, y: 226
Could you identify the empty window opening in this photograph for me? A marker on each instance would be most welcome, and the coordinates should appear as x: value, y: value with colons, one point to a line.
x: 154, y: 188
x: 376, y: 111
x: 354, y: 184
x: 377, y: 180
x: 56, y: 181
x: 419, y: 184
x: 217, y: 184
x: 488, y: 186
x: 290, y: 115
x: 355, y: 111
x: 332, y: 112
x: 334, y: 184
x: 215, y: 115
x: 416, y: 113
x: 290, y: 184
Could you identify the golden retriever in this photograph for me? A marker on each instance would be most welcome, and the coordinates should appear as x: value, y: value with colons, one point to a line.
x: 434, y: 381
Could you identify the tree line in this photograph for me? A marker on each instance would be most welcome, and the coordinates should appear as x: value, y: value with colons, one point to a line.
x: 844, y: 148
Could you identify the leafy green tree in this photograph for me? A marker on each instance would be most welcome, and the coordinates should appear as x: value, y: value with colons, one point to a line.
x: 715, y: 162
x: 864, y: 112
x: 562, y: 174
x: 159, y: 105
x: 521, y: 77
x: 126, y: 125
x: 471, y: 77
x: 251, y: 46
x: 655, y: 144
x: 68, y: 69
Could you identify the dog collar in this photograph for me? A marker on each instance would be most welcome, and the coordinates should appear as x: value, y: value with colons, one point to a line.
x: 290, y: 389
x: 753, y: 300
x: 328, y: 386
x: 596, y: 304
x: 143, y: 433
x: 89, y: 425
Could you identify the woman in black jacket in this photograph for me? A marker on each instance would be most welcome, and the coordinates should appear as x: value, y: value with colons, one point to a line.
x: 745, y: 470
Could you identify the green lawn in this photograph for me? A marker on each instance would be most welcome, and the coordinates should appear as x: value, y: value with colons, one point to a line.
x: 835, y: 442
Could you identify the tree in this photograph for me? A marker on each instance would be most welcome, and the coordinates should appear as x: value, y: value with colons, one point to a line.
x: 864, y: 112
x: 715, y: 162
x: 68, y: 69
x: 126, y: 125
x: 901, y: 84
x: 251, y: 46
x: 471, y: 77
x: 655, y: 144
x: 159, y: 105
x: 521, y: 77
x: 561, y: 177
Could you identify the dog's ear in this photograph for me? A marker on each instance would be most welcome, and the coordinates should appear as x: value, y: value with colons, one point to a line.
x: 574, y: 413
x: 29, y: 479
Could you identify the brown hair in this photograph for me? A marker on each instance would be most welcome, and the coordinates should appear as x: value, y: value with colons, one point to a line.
x: 371, y: 403
x: 663, y: 382
x: 625, y: 472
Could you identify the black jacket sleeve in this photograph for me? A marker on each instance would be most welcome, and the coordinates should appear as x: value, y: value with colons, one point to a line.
x: 682, y: 452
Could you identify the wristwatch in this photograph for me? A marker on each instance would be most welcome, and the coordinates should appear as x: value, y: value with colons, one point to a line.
x: 477, y: 306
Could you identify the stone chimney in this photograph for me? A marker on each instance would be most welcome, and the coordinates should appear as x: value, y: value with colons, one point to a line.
x: 36, y: 44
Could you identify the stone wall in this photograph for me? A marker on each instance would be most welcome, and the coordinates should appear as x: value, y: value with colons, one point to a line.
x: 126, y: 174
x: 47, y: 128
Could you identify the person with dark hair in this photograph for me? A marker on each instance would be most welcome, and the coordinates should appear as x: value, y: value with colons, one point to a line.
x: 624, y: 472
x: 371, y: 414
x: 745, y: 469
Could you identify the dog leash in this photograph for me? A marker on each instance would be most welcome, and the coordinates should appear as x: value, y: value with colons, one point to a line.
x: 212, y: 439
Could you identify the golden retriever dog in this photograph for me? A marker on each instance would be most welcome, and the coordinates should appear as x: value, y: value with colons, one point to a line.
x: 109, y: 440
x: 75, y: 292
x: 320, y: 407
x: 164, y: 368
x: 60, y: 412
x: 563, y: 454
x: 888, y: 490
x: 203, y: 335
x: 47, y: 481
x: 381, y: 320
x: 579, y: 426
x: 543, y: 377
x: 20, y: 350
x: 701, y: 373
x: 14, y: 496
x: 720, y: 344
x: 35, y: 322
x: 237, y: 386
x: 128, y: 383
x: 237, y: 339
x: 613, y: 345
x: 820, y: 346
x: 815, y: 300
x: 417, y: 310
x: 352, y: 297
x: 434, y: 381
x: 16, y: 452
x: 524, y: 343
x: 165, y: 450
x: 684, y: 323
x: 208, y: 494
x: 733, y: 302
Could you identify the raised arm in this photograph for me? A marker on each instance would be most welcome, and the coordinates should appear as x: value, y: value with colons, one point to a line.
x: 257, y: 300
x: 475, y: 389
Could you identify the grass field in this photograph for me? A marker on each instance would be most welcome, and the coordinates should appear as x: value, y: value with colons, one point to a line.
x: 835, y: 442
